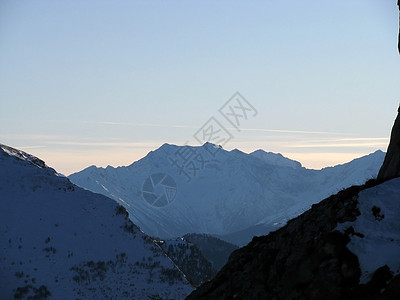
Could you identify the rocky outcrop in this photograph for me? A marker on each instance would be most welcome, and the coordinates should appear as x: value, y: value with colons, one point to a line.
x: 391, y: 164
x: 306, y: 259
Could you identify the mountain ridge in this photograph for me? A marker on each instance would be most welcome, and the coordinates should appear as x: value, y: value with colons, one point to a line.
x: 275, y: 159
x: 230, y: 190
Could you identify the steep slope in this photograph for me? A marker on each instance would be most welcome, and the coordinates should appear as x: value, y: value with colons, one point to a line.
x: 243, y: 237
x: 188, y: 257
x: 59, y: 240
x: 226, y: 193
x: 198, y: 256
x: 345, y: 247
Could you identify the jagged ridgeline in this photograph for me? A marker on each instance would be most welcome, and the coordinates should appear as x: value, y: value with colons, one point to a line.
x: 234, y: 197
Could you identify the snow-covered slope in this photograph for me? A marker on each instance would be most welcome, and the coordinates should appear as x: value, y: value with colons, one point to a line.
x: 218, y: 192
x: 376, y: 238
x: 59, y: 240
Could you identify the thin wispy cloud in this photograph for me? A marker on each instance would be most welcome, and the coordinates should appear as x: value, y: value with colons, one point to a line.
x: 30, y: 147
x: 336, y: 145
x: 363, y: 139
x: 33, y: 136
x: 362, y: 142
x: 146, y: 124
x: 110, y: 144
x: 292, y: 131
x: 229, y: 128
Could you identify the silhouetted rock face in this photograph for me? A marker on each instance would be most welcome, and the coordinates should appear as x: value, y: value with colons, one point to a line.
x: 306, y: 259
x: 391, y: 164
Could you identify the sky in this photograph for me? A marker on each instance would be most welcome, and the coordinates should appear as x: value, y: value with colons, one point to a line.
x: 104, y: 82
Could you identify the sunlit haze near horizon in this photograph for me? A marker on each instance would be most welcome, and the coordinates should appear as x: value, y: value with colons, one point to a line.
x: 103, y: 83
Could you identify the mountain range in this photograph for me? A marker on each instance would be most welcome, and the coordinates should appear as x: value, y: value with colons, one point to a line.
x: 176, y: 190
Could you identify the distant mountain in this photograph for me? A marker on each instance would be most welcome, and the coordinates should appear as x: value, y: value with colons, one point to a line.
x: 242, y: 237
x: 60, y: 241
x: 357, y: 171
x: 345, y: 247
x: 176, y: 190
x: 276, y: 159
x: 215, y: 250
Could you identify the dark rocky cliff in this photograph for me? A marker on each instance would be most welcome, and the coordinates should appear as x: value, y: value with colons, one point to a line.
x: 391, y: 164
x: 306, y: 259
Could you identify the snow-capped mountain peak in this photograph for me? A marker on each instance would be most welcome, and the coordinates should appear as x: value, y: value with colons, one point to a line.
x: 206, y: 189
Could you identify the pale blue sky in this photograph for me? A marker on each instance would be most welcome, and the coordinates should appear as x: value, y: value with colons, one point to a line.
x: 105, y: 82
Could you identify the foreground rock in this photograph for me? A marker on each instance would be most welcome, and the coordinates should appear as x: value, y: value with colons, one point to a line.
x: 346, y: 247
x: 60, y: 241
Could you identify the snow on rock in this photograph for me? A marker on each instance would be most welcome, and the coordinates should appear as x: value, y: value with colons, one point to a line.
x: 345, y: 247
x: 377, y: 239
x: 61, y: 241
